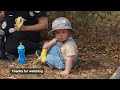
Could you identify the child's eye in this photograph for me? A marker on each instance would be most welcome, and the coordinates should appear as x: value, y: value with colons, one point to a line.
x: 56, y: 32
x: 63, y: 32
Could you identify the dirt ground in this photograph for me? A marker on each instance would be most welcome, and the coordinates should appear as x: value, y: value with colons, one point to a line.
x: 92, y: 64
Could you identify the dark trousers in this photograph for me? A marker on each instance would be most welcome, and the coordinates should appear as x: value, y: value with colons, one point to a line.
x: 31, y: 41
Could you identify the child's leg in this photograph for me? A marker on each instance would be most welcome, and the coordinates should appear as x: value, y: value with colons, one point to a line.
x: 54, y: 58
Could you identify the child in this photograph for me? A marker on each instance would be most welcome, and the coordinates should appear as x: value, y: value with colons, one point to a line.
x: 62, y: 50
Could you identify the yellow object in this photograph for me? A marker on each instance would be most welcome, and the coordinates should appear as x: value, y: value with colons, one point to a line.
x: 19, y: 22
x: 42, y: 57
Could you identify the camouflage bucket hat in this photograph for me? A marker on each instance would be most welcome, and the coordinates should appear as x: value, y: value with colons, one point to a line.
x: 61, y: 23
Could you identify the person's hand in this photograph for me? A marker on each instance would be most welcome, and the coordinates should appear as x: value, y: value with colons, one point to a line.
x: 46, y: 45
x: 22, y: 28
x: 18, y: 23
x: 64, y: 72
x: 1, y: 15
x: 50, y: 43
x: 16, y: 28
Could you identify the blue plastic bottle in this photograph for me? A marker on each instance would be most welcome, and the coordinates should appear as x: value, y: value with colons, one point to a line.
x: 21, y: 52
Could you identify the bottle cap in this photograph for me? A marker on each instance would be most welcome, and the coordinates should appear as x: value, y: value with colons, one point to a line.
x: 21, y: 46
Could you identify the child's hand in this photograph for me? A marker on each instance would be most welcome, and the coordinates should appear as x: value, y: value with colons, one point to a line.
x: 64, y: 73
x: 46, y: 45
x: 50, y: 43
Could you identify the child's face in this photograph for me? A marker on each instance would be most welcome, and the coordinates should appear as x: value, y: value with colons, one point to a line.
x: 62, y: 34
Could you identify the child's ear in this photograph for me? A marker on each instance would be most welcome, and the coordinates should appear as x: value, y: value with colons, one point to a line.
x: 69, y: 32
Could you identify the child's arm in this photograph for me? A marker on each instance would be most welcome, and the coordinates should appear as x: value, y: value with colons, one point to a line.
x: 68, y: 66
x: 47, y: 45
x: 50, y: 43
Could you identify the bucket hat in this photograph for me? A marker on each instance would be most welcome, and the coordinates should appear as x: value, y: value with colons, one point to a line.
x: 61, y: 23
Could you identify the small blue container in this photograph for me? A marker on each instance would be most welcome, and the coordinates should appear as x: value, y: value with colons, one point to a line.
x: 21, y: 52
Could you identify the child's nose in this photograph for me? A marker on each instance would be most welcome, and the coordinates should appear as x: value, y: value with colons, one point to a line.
x: 60, y: 34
